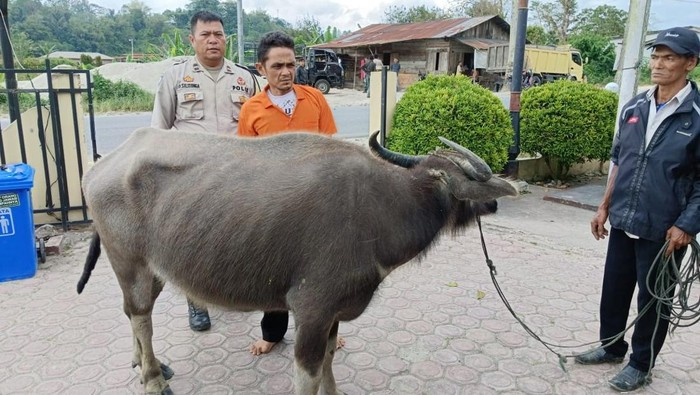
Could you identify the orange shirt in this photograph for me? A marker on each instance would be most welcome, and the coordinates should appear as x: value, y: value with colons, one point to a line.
x: 259, y: 117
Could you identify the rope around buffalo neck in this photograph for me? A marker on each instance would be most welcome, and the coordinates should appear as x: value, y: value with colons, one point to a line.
x: 672, y: 276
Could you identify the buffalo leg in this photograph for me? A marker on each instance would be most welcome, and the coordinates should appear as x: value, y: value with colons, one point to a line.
x: 136, y: 358
x: 328, y: 386
x: 309, y: 353
x: 140, y: 289
x: 151, y: 374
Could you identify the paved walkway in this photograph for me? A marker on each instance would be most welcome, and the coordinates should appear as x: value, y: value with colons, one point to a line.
x: 434, y: 327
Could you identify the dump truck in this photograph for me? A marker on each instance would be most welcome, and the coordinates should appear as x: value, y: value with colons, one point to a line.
x: 542, y: 64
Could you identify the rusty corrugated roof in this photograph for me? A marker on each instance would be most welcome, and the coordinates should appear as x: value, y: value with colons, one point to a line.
x: 481, y: 43
x: 384, y: 33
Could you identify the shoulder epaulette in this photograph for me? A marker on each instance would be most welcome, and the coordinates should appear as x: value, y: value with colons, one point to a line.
x: 242, y: 66
x: 180, y: 60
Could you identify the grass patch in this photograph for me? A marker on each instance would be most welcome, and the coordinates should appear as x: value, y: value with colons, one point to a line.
x: 122, y: 104
x: 109, y: 96
x: 26, y: 101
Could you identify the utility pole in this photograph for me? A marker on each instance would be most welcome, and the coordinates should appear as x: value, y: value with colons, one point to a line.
x: 239, y: 21
x: 511, y: 45
x: 131, y: 40
x: 8, y: 63
x: 516, y: 86
x: 631, y: 53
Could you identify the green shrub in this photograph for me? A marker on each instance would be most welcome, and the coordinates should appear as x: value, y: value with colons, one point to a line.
x: 457, y: 109
x: 567, y: 122
x: 119, y: 96
x: 25, y: 101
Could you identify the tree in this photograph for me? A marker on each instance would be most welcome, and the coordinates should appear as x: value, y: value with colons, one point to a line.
x: 78, y: 25
x: 605, y: 20
x: 22, y: 46
x: 538, y: 36
x: 600, y: 53
x: 307, y: 32
x: 476, y: 8
x: 557, y: 16
x: 259, y: 22
x: 421, y: 13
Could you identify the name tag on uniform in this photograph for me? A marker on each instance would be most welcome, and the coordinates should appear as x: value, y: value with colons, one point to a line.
x: 190, y: 96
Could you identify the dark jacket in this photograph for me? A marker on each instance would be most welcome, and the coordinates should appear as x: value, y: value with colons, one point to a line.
x: 659, y: 186
x: 302, y: 77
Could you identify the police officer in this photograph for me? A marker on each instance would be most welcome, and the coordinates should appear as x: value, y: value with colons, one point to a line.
x: 203, y: 93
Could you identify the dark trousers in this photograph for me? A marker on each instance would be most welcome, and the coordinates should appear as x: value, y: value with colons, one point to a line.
x: 627, y: 265
x: 274, y: 325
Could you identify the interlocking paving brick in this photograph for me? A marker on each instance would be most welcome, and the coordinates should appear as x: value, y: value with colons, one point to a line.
x: 498, y: 381
x: 434, y: 327
x: 371, y: 379
x: 462, y: 374
x: 280, y: 384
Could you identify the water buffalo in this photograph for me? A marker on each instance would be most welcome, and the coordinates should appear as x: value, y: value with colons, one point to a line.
x: 297, y: 222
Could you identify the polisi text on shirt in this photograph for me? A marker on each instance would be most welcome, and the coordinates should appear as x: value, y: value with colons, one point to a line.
x: 240, y: 88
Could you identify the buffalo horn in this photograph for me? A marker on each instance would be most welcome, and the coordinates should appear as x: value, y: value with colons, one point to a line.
x: 474, y: 166
x: 407, y: 161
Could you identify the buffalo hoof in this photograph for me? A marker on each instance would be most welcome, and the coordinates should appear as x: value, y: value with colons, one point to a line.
x: 167, y: 372
x: 166, y: 391
x: 164, y: 370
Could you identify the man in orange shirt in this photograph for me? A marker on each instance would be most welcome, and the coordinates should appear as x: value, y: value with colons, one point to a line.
x: 281, y: 107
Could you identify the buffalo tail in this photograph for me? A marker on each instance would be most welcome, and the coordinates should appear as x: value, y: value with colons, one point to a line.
x: 90, y: 261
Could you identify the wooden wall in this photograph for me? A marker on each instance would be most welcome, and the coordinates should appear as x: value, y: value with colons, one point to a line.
x: 434, y: 56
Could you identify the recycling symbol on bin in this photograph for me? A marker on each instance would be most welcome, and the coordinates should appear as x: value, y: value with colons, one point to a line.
x: 7, y: 226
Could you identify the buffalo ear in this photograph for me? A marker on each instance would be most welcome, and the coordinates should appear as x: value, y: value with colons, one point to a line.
x: 495, y: 187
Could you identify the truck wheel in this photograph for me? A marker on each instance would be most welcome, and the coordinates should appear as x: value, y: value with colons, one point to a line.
x: 323, y: 86
x: 572, y: 78
x: 536, y: 80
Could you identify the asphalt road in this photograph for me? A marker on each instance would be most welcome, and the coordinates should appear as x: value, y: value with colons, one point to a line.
x: 112, y: 130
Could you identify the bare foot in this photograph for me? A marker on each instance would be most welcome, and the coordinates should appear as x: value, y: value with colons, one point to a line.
x: 262, y: 347
x: 339, y: 342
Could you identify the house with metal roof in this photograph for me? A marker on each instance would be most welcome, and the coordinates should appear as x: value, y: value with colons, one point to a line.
x: 434, y: 47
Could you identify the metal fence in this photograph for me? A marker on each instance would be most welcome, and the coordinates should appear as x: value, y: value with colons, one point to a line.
x: 38, y: 135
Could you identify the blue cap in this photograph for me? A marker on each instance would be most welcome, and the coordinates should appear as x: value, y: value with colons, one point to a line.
x: 680, y: 40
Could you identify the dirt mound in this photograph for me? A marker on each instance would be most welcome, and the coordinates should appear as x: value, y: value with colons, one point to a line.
x: 145, y: 75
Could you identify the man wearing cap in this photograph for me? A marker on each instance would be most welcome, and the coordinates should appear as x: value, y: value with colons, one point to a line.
x: 652, y: 196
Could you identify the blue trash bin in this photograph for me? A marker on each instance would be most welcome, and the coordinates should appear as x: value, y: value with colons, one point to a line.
x: 17, y: 242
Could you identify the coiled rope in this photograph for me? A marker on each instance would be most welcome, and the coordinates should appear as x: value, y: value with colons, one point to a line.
x: 678, y: 307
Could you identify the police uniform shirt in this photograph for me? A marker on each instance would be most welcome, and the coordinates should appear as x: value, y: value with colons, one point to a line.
x: 189, y: 98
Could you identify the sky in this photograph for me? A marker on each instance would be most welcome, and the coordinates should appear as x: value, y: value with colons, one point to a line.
x: 348, y: 14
